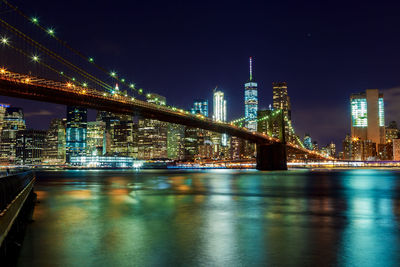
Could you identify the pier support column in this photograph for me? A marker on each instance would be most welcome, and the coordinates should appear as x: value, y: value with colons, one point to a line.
x: 271, y: 157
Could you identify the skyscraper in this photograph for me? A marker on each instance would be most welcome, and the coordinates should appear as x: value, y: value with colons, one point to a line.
x: 200, y: 106
x: 308, y: 142
x: 175, y: 141
x: 250, y: 102
x: 152, y: 134
x: 13, y: 122
x: 391, y: 132
x: 219, y: 106
x: 3, y: 108
x: 96, y: 138
x: 29, y: 147
x: 76, y: 132
x: 54, y: 149
x: 368, y: 116
x: 219, y: 112
x: 280, y: 98
x: 124, y: 138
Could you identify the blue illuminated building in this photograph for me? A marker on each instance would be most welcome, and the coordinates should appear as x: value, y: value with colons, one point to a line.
x: 200, y: 106
x: 250, y: 102
x: 308, y: 142
x: 76, y: 132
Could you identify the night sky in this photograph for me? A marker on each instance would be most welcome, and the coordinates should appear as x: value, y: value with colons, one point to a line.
x: 183, y: 49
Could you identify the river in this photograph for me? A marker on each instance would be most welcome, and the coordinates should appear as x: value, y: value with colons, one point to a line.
x: 215, y: 218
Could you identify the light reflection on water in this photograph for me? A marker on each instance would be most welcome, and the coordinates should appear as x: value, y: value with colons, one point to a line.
x: 215, y: 218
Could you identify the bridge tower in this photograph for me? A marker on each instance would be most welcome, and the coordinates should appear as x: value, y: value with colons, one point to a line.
x: 273, y: 157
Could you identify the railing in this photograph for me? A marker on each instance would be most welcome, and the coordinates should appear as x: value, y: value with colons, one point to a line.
x: 14, y: 190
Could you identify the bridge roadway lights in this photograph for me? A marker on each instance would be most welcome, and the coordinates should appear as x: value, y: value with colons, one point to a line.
x: 271, y: 157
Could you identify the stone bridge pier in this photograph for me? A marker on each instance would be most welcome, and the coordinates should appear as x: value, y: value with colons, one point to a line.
x: 271, y: 157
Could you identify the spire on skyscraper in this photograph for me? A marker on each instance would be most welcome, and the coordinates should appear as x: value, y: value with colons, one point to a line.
x: 251, y: 100
x: 251, y: 69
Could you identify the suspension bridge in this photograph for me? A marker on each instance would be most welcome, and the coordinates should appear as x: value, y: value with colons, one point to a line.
x: 32, y: 70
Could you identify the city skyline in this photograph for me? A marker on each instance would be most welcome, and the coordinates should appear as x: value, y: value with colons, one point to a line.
x: 186, y: 133
x: 305, y: 91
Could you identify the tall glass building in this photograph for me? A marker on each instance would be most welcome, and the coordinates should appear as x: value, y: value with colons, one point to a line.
x: 250, y: 102
x: 13, y: 122
x: 368, y: 116
x: 76, y: 132
x: 219, y: 112
x: 200, y: 106
x: 308, y: 142
x: 281, y: 99
x: 219, y: 106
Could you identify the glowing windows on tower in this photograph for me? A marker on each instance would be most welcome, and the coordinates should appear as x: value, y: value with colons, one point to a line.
x: 359, y: 112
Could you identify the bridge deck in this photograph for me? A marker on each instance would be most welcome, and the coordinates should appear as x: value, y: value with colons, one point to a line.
x: 34, y: 88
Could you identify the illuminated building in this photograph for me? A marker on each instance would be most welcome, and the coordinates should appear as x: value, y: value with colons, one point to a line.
x: 152, y: 134
x: 13, y: 122
x: 281, y: 101
x: 329, y: 150
x: 106, y: 162
x: 332, y: 149
x: 356, y: 149
x: 368, y: 116
x: 200, y: 106
x: 205, y: 146
x: 315, y: 146
x: 96, y: 138
x: 219, y: 113
x: 219, y: 106
x: 308, y: 142
x: 250, y: 102
x: 29, y: 147
x: 385, y: 151
x: 396, y: 149
x: 3, y: 108
x: 391, y: 132
x: 191, y: 147
x: 280, y: 98
x: 363, y: 150
x: 175, y: 141
x: 237, y: 148
x: 124, y: 137
x: 347, y: 147
x: 111, y: 120
x: 76, y: 131
x: 54, y: 149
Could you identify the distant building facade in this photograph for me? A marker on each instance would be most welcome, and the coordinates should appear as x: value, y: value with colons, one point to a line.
x: 55, y: 143
x: 396, y: 149
x: 368, y: 116
x: 29, y: 147
x: 175, y: 141
x: 391, y: 131
x: 3, y: 108
x: 281, y: 99
x: 200, y: 106
x: 76, y: 132
x: 308, y: 142
x: 152, y: 134
x: 13, y: 121
x: 96, y: 138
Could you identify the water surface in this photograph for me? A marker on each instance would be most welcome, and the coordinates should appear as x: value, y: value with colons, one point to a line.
x: 215, y: 218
